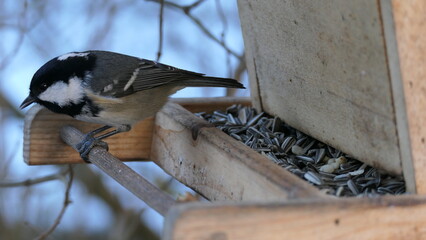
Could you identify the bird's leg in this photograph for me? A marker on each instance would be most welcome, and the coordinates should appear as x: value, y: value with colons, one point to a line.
x: 89, y: 141
x: 122, y: 128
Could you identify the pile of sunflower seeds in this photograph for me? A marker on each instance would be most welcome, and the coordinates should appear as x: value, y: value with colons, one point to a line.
x: 329, y: 169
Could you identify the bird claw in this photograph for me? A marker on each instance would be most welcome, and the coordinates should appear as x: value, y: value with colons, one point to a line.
x: 87, y: 144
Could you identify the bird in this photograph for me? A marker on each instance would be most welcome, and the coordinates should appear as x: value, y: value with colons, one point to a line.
x: 109, y: 88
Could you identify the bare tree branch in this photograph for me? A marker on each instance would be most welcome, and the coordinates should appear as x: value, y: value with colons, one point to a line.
x: 223, y: 19
x: 160, y: 31
x: 5, y: 104
x: 106, y: 27
x: 187, y: 11
x: 22, y: 28
x: 241, y: 68
x: 195, y: 4
x: 67, y: 201
x: 95, y: 185
x: 34, y: 181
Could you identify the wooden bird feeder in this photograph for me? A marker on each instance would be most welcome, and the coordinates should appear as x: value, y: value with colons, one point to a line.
x: 349, y: 73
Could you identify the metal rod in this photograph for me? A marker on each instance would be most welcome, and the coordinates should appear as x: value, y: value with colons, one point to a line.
x: 124, y: 175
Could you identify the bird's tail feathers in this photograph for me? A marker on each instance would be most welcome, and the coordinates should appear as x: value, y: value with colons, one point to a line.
x: 212, y: 82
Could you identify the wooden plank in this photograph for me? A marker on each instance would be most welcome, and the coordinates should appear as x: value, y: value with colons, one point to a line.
x: 398, y: 94
x: 217, y: 166
x: 410, y: 28
x: 386, y: 218
x: 210, y: 104
x: 42, y: 143
x: 322, y: 67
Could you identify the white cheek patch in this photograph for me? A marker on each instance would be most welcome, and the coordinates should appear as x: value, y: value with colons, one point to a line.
x: 63, y: 94
x: 73, y: 54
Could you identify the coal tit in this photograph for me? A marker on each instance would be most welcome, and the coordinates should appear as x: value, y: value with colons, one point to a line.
x: 109, y: 88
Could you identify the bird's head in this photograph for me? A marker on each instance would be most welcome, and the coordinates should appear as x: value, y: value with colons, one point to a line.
x: 58, y: 84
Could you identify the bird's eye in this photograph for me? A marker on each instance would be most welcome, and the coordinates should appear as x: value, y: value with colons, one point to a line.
x: 43, y: 86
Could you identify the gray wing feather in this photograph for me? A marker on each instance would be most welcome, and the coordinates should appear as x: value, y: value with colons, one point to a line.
x: 134, y: 74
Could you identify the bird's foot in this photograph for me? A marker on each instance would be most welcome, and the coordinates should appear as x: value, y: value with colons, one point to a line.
x: 86, y: 145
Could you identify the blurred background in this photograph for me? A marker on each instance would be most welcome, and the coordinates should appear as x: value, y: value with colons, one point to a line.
x: 202, y: 36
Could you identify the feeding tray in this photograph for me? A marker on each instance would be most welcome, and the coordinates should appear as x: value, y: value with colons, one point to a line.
x: 348, y: 73
x: 276, y: 204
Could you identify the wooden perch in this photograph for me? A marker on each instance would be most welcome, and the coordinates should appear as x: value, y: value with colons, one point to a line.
x: 124, y: 175
x: 216, y: 165
x: 386, y: 218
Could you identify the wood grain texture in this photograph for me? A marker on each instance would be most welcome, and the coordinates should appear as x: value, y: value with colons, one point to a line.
x: 322, y: 67
x: 210, y: 104
x: 42, y: 143
x: 386, y: 218
x: 410, y: 28
x: 398, y: 94
x: 216, y: 165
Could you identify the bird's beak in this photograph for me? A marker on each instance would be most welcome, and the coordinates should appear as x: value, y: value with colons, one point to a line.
x: 27, y: 102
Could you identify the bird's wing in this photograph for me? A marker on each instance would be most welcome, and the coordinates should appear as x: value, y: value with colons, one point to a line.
x: 127, y: 75
x: 150, y: 74
x: 138, y: 76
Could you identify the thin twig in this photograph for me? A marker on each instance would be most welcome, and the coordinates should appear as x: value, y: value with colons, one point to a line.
x: 238, y: 74
x: 6, y: 104
x: 195, y: 4
x: 24, y: 27
x: 7, y: 58
x: 187, y: 11
x: 222, y: 17
x: 240, y: 70
x: 96, y: 187
x: 106, y: 27
x: 29, y: 182
x: 160, y: 33
x: 67, y: 201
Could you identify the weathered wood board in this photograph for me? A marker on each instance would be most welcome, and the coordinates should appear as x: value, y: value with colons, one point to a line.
x: 398, y: 93
x: 321, y: 66
x: 329, y: 69
x: 42, y: 143
x: 384, y: 218
x: 410, y: 33
x: 216, y: 165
